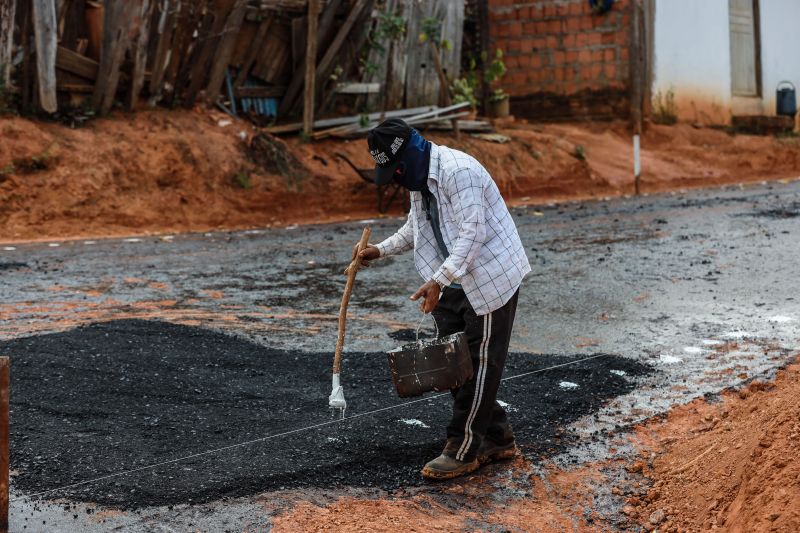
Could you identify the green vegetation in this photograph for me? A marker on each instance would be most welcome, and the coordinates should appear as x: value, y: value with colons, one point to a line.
x: 665, y: 110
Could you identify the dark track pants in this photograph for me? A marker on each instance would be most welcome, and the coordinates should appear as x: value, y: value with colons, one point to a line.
x: 476, y: 414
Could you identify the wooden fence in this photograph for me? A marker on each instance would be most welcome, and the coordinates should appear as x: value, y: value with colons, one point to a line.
x: 246, y: 55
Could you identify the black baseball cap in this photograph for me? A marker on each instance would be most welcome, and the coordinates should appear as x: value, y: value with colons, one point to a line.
x: 387, y: 142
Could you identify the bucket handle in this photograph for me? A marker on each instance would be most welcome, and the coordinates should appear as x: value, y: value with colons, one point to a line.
x: 420, y: 325
x: 778, y: 88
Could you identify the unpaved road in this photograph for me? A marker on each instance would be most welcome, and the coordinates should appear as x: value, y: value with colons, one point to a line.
x: 657, y: 284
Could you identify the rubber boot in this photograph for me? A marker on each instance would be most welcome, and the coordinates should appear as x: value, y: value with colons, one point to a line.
x: 445, y: 467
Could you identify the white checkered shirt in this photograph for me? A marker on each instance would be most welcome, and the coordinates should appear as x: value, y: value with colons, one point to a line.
x: 486, y: 254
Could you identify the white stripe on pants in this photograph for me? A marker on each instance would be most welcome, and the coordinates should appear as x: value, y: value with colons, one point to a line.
x: 479, y: 380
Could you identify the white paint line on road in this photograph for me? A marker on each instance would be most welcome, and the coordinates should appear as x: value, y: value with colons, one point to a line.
x: 779, y: 319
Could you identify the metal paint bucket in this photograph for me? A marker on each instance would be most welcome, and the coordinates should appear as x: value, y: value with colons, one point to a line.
x: 786, y: 99
x: 435, y: 365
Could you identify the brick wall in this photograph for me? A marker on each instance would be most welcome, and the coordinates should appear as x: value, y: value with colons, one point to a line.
x: 562, y: 60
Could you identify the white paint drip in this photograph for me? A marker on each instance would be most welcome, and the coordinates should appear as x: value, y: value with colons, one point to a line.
x: 414, y: 422
x: 781, y: 319
x: 568, y: 385
x: 712, y: 342
x: 669, y: 359
x: 618, y: 372
x: 694, y: 350
x: 9, y: 248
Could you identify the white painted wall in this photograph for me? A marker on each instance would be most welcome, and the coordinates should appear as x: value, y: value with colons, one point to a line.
x: 692, y: 56
x: 780, y: 47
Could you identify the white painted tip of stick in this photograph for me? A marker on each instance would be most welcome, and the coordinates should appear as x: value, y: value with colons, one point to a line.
x: 620, y: 373
x: 669, y: 359
x: 336, y: 399
x: 637, y: 156
x: 414, y: 422
x: 779, y: 319
x: 568, y: 385
x: 693, y: 350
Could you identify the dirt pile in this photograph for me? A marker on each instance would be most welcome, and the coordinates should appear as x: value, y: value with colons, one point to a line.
x: 166, y: 171
x: 729, y: 466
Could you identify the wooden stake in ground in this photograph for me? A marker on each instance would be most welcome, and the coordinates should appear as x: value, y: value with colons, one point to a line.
x: 5, y: 385
x: 7, y: 14
x: 336, y: 399
x: 44, y: 33
x: 311, y: 64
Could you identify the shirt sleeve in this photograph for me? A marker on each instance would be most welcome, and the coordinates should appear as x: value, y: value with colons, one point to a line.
x: 465, y: 191
x: 400, y: 242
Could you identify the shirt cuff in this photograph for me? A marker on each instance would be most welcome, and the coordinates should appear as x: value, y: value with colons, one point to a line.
x: 442, y: 279
x: 382, y: 248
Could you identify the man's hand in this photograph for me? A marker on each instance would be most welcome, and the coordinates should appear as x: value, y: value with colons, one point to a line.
x: 430, y: 294
x: 367, y: 254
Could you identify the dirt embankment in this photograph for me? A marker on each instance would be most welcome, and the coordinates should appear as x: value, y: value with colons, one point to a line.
x: 168, y: 171
x: 730, y: 466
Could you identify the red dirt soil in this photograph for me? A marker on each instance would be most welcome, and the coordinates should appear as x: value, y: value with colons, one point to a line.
x: 729, y: 467
x: 169, y: 171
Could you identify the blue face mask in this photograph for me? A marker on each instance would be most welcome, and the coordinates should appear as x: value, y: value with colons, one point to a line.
x: 412, y: 172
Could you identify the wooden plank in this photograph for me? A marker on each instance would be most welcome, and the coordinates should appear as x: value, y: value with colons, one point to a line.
x: 340, y: 121
x: 311, y: 70
x: 327, y: 62
x: 116, y: 21
x: 207, y: 42
x: 358, y: 88
x: 252, y: 52
x: 220, y: 64
x: 259, y: 92
x: 7, y: 14
x: 166, y: 26
x: 325, y: 29
x: 5, y: 395
x: 44, y: 30
x: 73, y: 62
x: 299, y: 34
x: 140, y: 52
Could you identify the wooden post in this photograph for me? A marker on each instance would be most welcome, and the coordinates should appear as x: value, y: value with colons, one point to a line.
x: 219, y: 66
x: 7, y: 9
x: 44, y: 29
x: 444, y: 86
x: 116, y: 20
x: 636, y: 86
x: 311, y: 63
x: 140, y: 53
x: 5, y: 386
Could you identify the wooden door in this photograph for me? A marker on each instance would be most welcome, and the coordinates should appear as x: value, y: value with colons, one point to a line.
x: 745, y: 64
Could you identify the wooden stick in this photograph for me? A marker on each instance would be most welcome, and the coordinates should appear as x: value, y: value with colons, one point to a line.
x: 5, y: 385
x: 311, y: 65
x: 348, y: 289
